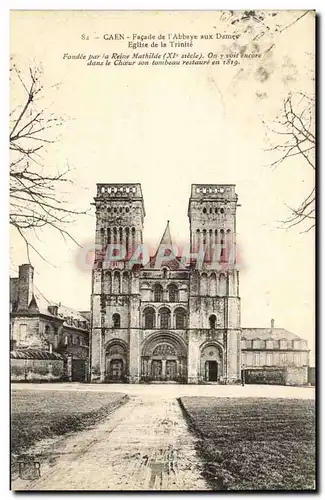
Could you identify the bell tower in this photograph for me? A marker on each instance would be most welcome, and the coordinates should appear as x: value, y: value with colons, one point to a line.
x: 115, y: 296
x: 119, y: 220
x: 214, y: 284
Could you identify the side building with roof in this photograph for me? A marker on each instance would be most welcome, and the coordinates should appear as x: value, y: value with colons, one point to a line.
x: 47, y: 340
x: 274, y: 355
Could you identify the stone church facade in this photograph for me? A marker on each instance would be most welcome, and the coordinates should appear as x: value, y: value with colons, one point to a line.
x: 167, y: 318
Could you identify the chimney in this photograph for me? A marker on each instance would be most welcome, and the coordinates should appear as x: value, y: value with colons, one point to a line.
x: 272, y: 325
x: 25, y: 286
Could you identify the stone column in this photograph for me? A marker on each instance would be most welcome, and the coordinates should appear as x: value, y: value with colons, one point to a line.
x: 134, y: 335
x: 144, y: 367
x: 178, y: 371
x: 102, y: 357
x: 163, y: 368
x: 233, y: 374
x: 193, y: 359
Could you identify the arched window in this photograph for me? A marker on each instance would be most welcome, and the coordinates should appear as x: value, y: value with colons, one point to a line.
x: 222, y: 285
x: 149, y: 318
x: 164, y: 318
x: 116, y: 320
x: 212, y: 321
x: 116, y: 282
x: 173, y: 293
x: 158, y: 293
x: 165, y: 273
x: 213, y: 285
x: 180, y: 319
x: 204, y: 284
x: 125, y: 283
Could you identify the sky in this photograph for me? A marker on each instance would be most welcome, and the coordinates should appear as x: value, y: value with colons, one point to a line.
x: 167, y: 128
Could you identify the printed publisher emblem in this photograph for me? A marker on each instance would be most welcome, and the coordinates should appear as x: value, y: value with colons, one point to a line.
x: 29, y: 469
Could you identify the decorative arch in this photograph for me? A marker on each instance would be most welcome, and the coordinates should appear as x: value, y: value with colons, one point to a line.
x: 164, y: 317
x: 117, y: 341
x: 149, y: 318
x: 209, y: 343
x: 180, y: 315
x: 211, y: 361
x: 158, y: 292
x: 116, y: 360
x: 156, y: 338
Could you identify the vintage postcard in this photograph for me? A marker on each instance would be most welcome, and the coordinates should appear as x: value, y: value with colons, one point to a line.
x: 162, y: 230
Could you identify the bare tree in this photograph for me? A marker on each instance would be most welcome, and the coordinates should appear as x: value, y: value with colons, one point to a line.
x: 293, y: 136
x: 35, y: 193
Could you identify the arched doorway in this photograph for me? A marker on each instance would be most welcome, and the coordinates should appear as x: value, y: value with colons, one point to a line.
x: 211, y: 362
x: 164, y: 358
x: 116, y: 361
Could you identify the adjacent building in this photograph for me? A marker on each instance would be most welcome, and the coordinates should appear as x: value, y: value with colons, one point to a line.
x: 45, y: 334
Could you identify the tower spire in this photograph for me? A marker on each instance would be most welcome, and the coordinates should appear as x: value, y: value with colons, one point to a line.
x: 166, y: 237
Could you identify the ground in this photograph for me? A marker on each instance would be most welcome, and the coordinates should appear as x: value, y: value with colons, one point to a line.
x: 254, y: 443
x: 145, y: 444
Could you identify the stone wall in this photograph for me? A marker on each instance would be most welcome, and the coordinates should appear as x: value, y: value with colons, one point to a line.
x: 30, y: 370
x: 296, y: 375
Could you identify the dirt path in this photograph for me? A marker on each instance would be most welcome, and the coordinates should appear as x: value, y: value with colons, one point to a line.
x: 144, y: 445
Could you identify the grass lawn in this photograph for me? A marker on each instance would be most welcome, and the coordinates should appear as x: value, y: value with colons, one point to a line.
x: 254, y: 443
x: 45, y: 414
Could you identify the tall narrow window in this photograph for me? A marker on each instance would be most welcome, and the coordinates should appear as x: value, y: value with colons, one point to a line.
x: 222, y: 285
x: 116, y: 282
x: 173, y: 293
x: 180, y: 319
x: 213, y: 321
x: 116, y: 320
x: 158, y: 293
x: 149, y: 318
x: 164, y: 318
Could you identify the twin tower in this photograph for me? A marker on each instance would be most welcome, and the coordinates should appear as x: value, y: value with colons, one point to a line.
x: 171, y: 316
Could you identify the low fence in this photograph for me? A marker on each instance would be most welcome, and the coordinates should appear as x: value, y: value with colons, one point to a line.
x: 295, y: 375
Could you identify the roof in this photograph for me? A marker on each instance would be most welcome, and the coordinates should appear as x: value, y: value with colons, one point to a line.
x: 267, y: 333
x: 166, y: 237
x: 35, y: 354
x: 86, y: 314
x: 41, y: 304
x: 167, y: 251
